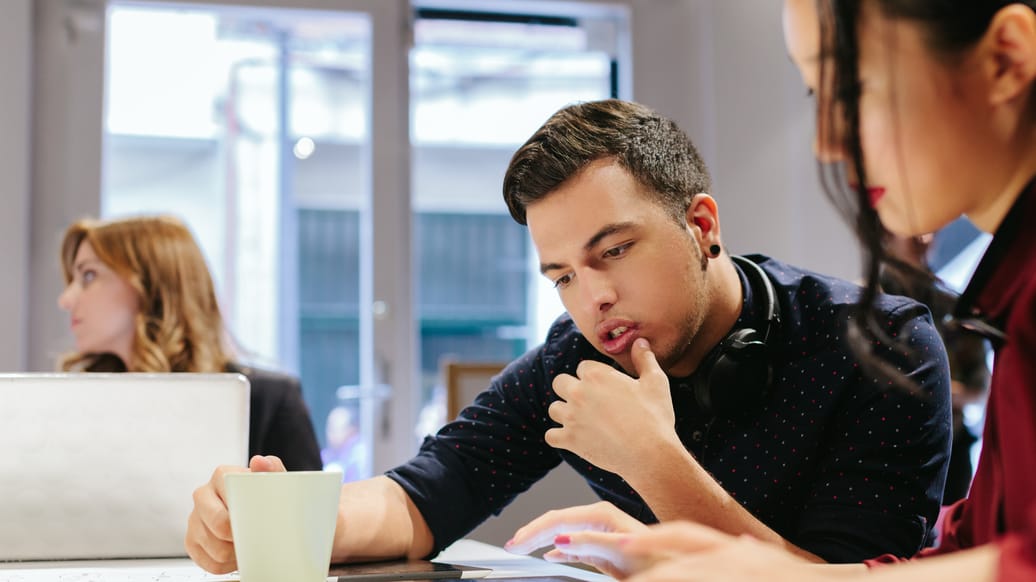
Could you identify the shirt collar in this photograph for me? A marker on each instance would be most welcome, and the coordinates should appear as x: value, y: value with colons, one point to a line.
x: 1005, y: 268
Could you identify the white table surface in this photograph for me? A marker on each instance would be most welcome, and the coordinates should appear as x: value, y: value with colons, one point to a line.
x: 467, y: 552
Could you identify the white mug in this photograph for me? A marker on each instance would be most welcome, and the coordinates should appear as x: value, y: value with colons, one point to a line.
x: 283, y: 524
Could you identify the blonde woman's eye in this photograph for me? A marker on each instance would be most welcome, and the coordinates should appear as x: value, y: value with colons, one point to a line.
x: 89, y: 276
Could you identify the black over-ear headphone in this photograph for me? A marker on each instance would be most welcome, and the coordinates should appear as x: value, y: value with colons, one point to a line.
x: 736, y: 375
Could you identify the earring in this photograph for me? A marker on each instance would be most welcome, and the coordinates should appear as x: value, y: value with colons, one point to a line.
x: 714, y: 251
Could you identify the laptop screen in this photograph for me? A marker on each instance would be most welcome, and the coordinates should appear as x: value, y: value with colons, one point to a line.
x: 104, y: 465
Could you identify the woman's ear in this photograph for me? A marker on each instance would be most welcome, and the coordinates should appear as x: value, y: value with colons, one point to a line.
x: 1009, y: 54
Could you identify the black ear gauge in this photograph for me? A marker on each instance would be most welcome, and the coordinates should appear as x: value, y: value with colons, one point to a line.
x: 714, y: 251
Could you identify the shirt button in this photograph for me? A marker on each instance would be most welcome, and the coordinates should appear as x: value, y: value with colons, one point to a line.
x: 697, y: 435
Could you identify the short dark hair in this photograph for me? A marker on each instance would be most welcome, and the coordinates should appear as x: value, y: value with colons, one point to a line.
x: 653, y: 149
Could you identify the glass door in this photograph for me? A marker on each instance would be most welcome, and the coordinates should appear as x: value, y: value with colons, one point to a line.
x: 480, y: 84
x: 253, y: 124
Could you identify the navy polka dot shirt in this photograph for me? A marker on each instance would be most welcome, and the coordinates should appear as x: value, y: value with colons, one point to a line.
x: 838, y: 462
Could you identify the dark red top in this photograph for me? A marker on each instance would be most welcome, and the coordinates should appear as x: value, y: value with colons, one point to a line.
x: 1000, y: 301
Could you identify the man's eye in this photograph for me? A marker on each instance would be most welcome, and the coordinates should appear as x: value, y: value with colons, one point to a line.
x: 617, y: 251
x: 562, y: 281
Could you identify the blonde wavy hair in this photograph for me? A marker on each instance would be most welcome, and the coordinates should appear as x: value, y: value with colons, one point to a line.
x: 179, y: 327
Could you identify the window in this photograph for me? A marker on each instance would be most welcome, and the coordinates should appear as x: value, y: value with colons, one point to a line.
x: 259, y: 126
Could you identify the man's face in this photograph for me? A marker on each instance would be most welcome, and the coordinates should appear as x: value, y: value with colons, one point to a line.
x: 622, y: 266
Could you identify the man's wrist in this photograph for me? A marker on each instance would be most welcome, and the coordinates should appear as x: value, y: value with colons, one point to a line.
x: 660, y: 464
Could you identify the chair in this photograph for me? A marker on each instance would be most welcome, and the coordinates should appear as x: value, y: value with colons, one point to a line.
x: 562, y: 487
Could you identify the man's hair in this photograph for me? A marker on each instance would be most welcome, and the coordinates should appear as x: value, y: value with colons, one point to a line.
x: 179, y: 327
x: 656, y: 152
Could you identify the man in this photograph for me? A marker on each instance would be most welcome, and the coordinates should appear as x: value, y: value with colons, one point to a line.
x: 969, y: 372
x: 749, y: 412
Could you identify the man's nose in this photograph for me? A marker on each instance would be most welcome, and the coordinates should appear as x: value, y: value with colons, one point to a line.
x: 599, y: 289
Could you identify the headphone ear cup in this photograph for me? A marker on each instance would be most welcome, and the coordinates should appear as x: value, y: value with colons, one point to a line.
x: 735, y: 377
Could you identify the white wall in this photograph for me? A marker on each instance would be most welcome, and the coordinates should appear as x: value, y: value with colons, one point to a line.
x: 66, y: 155
x: 718, y: 67
x: 15, y: 112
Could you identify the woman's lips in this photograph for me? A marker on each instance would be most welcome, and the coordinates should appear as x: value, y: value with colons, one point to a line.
x: 874, y: 194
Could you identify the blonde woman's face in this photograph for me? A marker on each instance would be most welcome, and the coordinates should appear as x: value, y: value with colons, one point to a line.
x: 102, y: 307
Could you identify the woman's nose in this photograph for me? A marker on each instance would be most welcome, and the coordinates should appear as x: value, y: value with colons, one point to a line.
x: 66, y: 298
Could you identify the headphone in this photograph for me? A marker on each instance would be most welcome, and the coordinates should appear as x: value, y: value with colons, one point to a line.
x: 736, y: 375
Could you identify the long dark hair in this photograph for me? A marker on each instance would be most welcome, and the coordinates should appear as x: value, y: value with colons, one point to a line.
x: 950, y: 26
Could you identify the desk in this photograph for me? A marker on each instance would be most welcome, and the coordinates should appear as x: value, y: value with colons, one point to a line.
x: 467, y: 552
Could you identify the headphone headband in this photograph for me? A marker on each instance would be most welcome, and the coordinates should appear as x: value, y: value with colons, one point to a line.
x: 736, y: 375
x: 757, y: 278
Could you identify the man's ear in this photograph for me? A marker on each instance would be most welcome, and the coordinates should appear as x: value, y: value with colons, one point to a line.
x: 1008, y: 53
x: 703, y: 219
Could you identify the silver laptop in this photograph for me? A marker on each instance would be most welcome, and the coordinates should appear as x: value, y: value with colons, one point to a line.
x: 104, y: 465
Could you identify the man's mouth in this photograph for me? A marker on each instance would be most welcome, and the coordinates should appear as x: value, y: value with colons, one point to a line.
x: 618, y: 339
x: 617, y: 331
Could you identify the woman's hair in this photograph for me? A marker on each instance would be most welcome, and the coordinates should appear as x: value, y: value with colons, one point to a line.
x: 950, y: 27
x: 178, y: 326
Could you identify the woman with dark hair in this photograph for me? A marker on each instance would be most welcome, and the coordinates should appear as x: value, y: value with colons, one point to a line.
x: 140, y: 299
x: 926, y: 110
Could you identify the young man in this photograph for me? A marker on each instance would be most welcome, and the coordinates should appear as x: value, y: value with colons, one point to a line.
x: 681, y: 383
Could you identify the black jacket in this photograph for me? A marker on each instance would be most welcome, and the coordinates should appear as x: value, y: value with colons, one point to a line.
x: 280, y: 423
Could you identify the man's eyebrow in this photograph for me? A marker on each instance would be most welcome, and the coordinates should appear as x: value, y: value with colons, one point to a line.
x: 544, y: 267
x: 605, y: 231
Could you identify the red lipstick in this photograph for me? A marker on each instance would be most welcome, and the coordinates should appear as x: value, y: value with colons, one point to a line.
x: 874, y: 194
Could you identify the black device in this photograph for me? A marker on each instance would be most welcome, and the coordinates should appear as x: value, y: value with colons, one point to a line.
x: 403, y: 570
x: 736, y: 375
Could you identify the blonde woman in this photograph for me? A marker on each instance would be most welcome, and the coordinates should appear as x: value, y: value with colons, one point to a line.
x: 141, y: 299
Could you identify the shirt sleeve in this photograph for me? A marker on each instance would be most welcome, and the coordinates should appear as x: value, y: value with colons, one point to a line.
x: 884, y: 464
x: 1017, y: 550
x: 477, y: 464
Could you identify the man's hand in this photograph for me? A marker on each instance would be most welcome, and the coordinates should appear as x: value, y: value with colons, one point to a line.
x: 557, y: 527
x: 209, y: 541
x: 611, y: 420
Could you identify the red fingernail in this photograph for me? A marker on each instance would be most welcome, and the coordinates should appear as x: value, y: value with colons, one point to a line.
x: 562, y: 540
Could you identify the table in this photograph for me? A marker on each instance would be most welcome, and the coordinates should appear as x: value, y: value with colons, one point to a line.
x: 467, y: 552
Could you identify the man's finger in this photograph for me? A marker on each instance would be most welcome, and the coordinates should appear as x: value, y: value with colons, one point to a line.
x: 267, y: 464
x: 562, y: 385
x: 556, y: 411
x: 644, y: 359
x: 555, y: 437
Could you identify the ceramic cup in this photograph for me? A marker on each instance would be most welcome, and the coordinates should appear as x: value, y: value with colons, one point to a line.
x: 283, y: 523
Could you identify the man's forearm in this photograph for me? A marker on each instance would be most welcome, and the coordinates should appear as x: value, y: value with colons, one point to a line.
x: 377, y: 520
x: 675, y: 486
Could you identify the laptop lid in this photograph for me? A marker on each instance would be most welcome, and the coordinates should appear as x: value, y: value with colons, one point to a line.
x: 105, y: 465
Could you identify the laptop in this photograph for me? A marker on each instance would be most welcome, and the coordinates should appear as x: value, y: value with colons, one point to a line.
x: 104, y: 465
